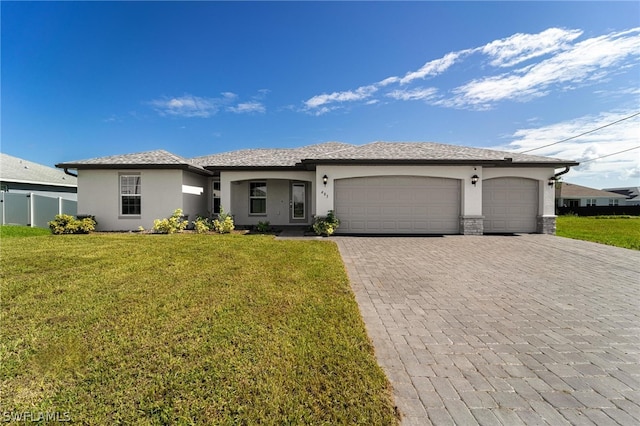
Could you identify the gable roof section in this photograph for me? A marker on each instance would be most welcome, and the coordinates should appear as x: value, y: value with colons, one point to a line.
x: 283, y: 157
x: 570, y: 190
x: 307, y: 157
x: 158, y: 159
x: 14, y: 169
x: 429, y: 152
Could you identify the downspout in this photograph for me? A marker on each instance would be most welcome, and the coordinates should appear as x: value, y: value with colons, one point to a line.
x: 555, y: 177
x: 67, y: 172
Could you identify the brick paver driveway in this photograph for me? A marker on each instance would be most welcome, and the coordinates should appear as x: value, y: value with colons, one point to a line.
x: 530, y: 329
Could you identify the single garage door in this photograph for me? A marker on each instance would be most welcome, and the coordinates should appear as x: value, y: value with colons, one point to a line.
x: 398, y: 205
x: 510, y: 205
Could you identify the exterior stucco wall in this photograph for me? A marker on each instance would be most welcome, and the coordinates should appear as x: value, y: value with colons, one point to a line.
x: 600, y: 201
x: 277, y: 203
x: 234, y: 197
x: 193, y: 204
x: 99, y: 195
x: 471, y: 196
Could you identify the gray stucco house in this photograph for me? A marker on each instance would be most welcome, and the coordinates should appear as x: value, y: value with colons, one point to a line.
x: 376, y: 188
x: 572, y: 195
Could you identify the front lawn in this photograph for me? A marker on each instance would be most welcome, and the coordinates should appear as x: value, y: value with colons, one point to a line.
x: 185, y: 329
x: 10, y: 231
x: 615, y: 231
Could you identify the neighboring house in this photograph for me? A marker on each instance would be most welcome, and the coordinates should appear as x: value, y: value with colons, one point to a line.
x: 381, y: 187
x: 631, y: 193
x: 22, y: 176
x: 571, y: 195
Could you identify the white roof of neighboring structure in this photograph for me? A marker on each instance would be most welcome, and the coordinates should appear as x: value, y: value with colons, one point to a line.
x: 14, y: 169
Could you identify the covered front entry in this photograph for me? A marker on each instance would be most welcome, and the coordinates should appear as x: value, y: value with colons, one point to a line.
x: 398, y: 205
x: 510, y: 204
x: 281, y: 202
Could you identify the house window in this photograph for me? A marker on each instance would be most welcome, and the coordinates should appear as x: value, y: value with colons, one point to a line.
x: 130, y: 195
x: 257, y: 197
x: 591, y: 202
x: 613, y: 201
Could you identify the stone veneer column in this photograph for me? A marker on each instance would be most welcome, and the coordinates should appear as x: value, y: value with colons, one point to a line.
x: 471, y: 225
x: 546, y: 225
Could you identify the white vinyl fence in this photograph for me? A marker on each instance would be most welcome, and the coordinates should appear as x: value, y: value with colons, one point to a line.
x: 32, y: 209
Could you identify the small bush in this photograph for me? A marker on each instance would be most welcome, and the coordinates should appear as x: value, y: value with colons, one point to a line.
x: 66, y: 224
x: 202, y: 225
x: 263, y: 227
x: 224, y: 223
x: 171, y: 225
x: 326, y: 225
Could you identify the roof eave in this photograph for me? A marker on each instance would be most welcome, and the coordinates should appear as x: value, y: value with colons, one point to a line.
x: 249, y: 168
x: 82, y: 166
x: 35, y: 182
x: 448, y: 162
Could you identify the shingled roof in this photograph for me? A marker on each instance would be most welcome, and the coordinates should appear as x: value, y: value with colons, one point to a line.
x: 14, y: 169
x: 570, y: 190
x: 426, y: 151
x: 149, y: 159
x: 324, y: 153
x: 283, y: 157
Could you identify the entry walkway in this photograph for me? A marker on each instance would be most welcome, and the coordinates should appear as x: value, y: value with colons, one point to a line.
x: 495, y: 330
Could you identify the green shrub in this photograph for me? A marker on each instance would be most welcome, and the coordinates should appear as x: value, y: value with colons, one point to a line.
x: 263, y: 227
x: 224, y: 223
x: 66, y: 224
x: 326, y: 225
x: 202, y: 225
x: 171, y: 225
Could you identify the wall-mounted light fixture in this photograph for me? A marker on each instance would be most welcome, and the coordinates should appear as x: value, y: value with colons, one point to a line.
x: 474, y: 179
x: 325, y: 179
x: 552, y: 180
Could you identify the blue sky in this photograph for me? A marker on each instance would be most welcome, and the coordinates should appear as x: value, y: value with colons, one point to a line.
x: 83, y: 80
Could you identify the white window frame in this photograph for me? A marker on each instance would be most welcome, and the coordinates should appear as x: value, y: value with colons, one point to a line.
x: 252, y: 197
x: 614, y: 202
x: 137, y: 193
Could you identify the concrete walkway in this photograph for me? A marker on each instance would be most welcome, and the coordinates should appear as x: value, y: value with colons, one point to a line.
x: 530, y: 329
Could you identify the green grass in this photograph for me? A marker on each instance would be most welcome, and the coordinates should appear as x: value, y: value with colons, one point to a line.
x: 185, y: 329
x: 621, y: 231
x: 9, y: 231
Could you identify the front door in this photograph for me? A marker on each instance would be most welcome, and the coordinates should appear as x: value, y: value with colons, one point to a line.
x: 298, y: 203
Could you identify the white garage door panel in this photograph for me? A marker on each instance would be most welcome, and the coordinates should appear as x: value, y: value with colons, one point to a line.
x: 509, y: 205
x: 398, y: 204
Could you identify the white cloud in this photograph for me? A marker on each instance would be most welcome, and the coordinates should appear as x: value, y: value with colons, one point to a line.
x: 360, y: 93
x: 247, y: 107
x: 616, y: 170
x: 186, y: 106
x: 520, y: 47
x: 587, y: 61
x: 557, y: 62
x: 432, y: 68
x: 195, y: 106
x: 414, y: 94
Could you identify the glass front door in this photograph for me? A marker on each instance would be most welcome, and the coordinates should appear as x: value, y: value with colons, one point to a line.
x: 298, y: 201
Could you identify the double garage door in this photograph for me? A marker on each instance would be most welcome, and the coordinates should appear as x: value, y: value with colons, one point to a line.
x: 426, y: 205
x: 398, y: 205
